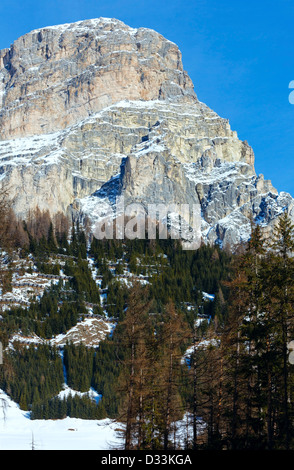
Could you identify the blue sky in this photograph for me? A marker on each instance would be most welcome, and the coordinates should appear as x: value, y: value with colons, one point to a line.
x: 237, y: 53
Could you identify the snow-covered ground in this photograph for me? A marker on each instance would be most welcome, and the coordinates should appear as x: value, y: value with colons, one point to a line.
x: 89, y: 331
x: 201, y: 345
x: 18, y: 432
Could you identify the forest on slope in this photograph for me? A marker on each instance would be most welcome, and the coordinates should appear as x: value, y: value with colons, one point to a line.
x: 173, y: 354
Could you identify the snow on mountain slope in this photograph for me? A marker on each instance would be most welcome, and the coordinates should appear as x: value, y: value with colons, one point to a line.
x: 119, y: 116
x: 89, y: 331
x: 18, y: 432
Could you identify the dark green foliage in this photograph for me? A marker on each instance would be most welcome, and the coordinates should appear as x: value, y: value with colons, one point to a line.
x: 78, y: 243
x: 109, y: 249
x: 48, y: 268
x: 108, y: 360
x: 78, y: 362
x: 116, y: 299
x: 73, y: 406
x: 173, y: 272
x: 35, y: 372
x: 82, y: 282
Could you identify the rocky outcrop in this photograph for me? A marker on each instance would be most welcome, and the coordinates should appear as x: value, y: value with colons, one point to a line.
x: 56, y: 76
x: 95, y: 110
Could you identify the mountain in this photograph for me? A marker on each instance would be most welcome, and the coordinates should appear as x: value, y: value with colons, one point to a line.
x: 95, y: 110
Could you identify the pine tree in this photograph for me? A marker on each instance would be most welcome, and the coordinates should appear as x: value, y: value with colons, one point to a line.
x: 282, y: 296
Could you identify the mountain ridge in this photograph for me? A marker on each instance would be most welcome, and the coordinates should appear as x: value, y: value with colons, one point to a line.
x: 84, y: 103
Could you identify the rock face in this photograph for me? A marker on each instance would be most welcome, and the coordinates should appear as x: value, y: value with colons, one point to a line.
x: 54, y: 77
x: 95, y: 110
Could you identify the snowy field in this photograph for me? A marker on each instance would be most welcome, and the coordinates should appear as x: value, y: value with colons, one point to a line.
x: 18, y: 432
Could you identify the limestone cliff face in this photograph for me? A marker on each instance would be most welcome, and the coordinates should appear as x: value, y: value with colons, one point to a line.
x: 96, y: 109
x: 53, y: 77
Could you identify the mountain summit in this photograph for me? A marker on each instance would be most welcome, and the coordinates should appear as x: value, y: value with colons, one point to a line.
x: 56, y: 76
x: 96, y: 109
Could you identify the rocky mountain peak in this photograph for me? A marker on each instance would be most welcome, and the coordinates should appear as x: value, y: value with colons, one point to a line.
x: 53, y: 77
x: 96, y: 109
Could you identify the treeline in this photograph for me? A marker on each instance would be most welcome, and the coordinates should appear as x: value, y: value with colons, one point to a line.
x: 73, y: 406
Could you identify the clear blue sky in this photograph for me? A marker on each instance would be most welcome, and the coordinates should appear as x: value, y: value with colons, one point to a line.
x: 239, y: 55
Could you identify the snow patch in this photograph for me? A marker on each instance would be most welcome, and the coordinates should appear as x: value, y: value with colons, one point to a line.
x: 18, y: 432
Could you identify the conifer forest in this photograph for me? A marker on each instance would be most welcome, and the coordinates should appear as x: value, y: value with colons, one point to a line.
x: 199, y: 337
